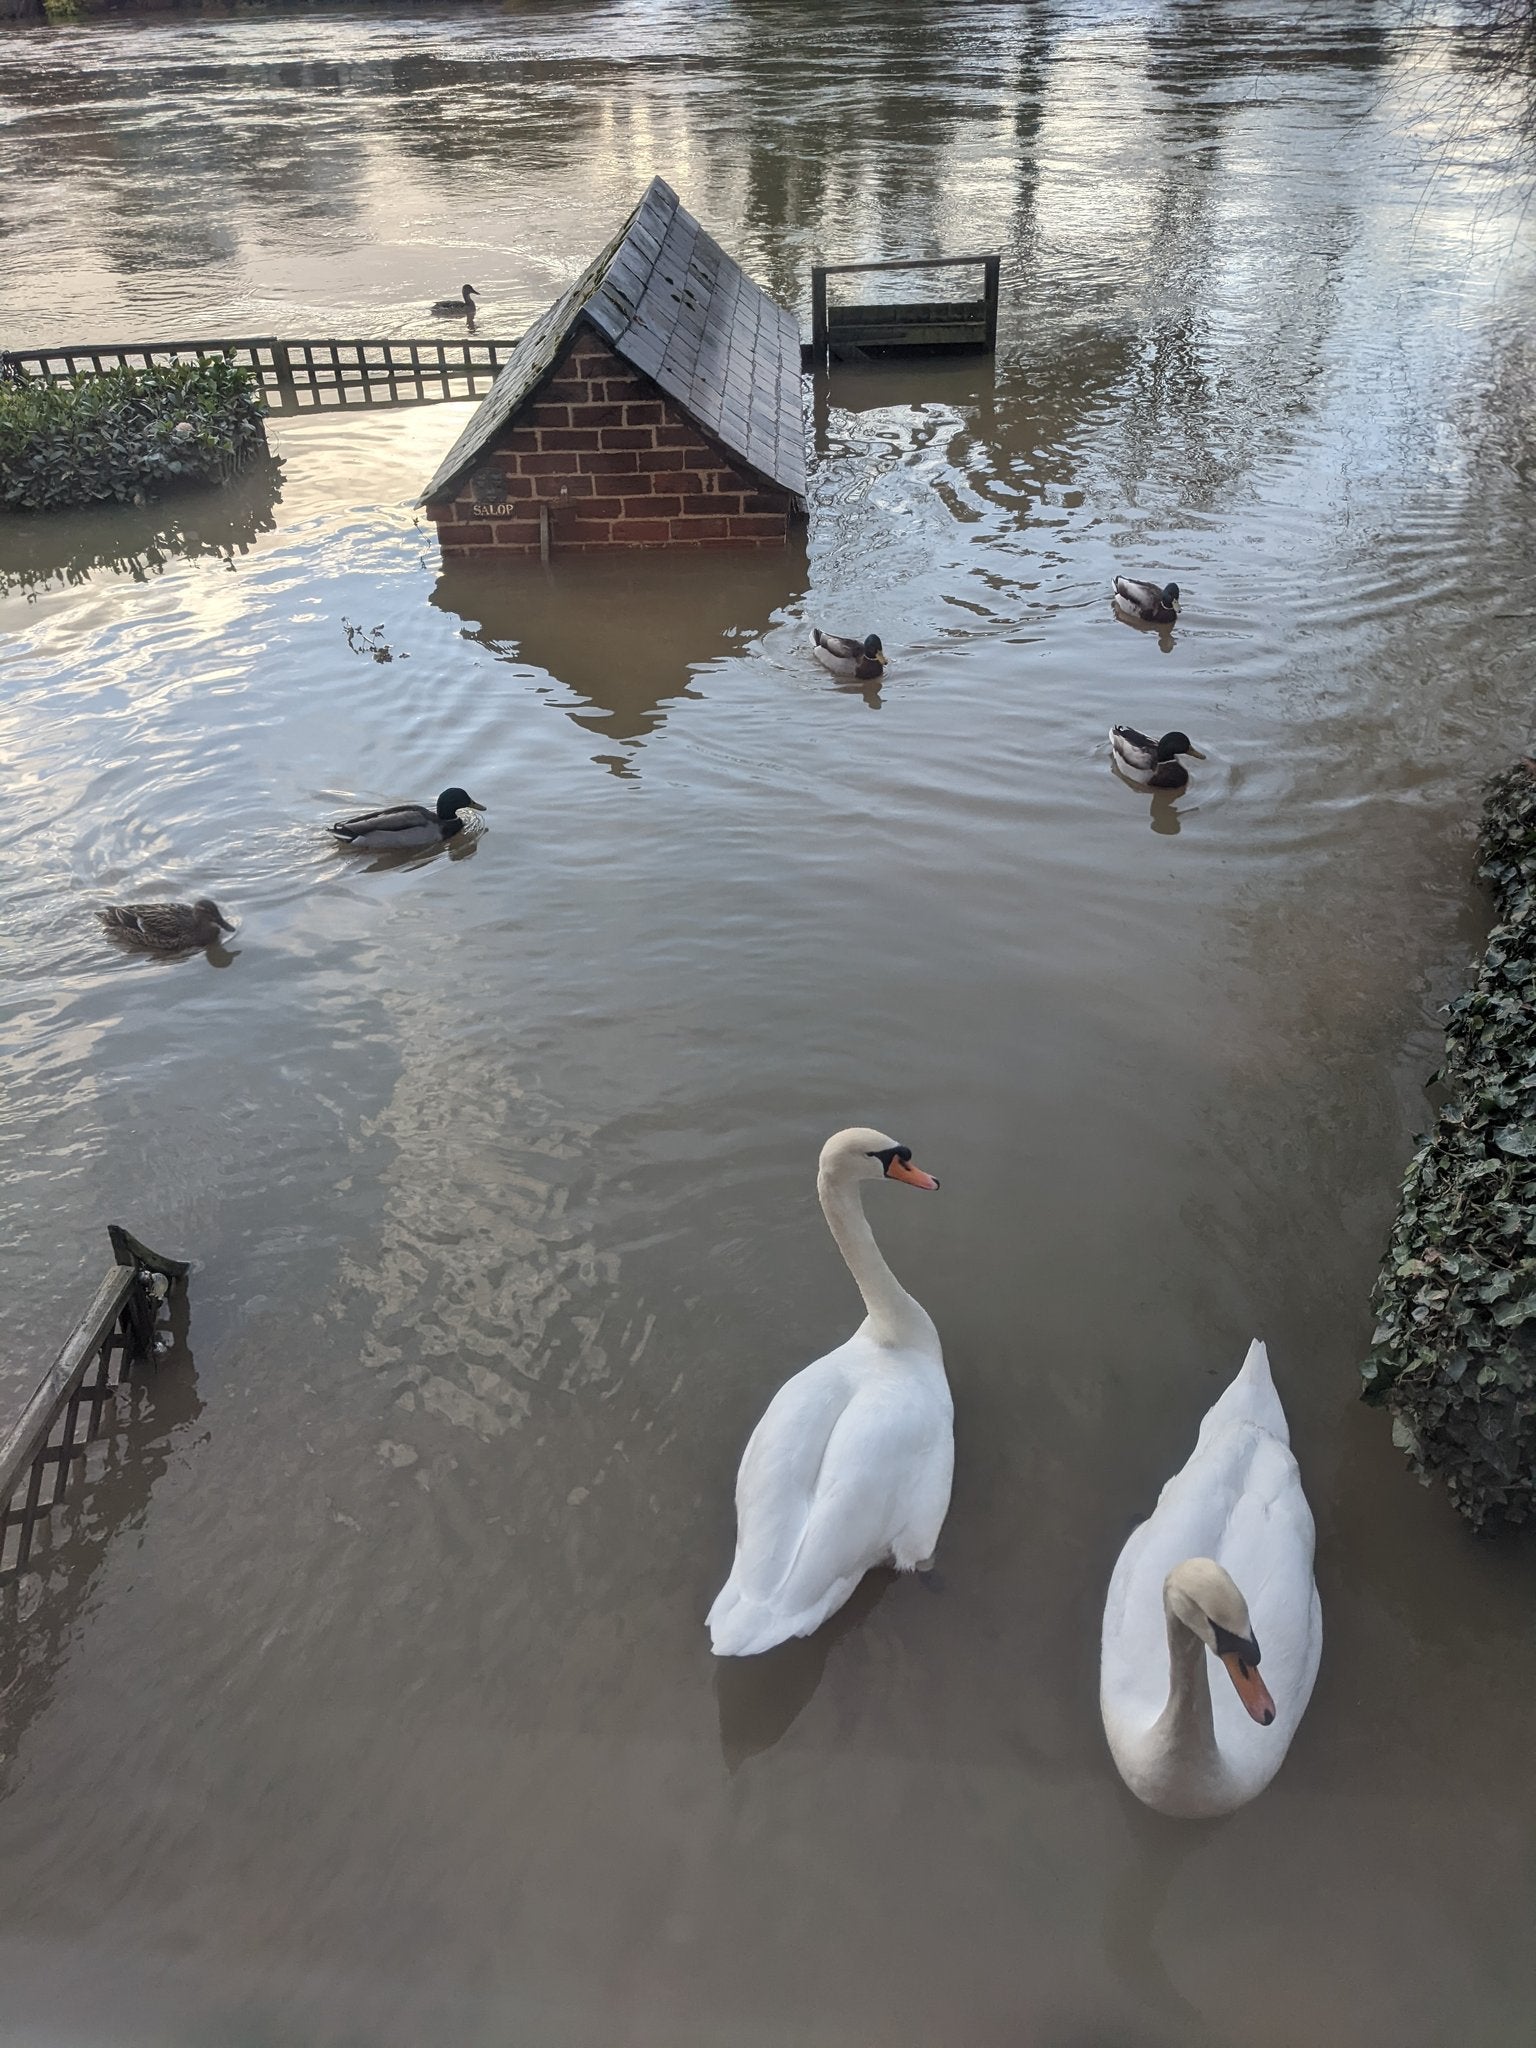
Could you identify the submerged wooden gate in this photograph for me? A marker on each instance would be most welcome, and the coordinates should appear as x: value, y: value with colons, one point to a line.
x: 938, y: 325
x: 47, y: 1443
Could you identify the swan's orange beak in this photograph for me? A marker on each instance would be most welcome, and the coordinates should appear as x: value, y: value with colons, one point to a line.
x: 914, y: 1176
x: 1250, y: 1688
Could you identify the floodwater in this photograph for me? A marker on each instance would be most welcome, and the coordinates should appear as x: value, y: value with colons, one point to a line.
x: 367, y: 1699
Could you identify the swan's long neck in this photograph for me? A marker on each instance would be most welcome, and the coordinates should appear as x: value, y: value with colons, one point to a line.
x: 1184, y: 1731
x: 895, y: 1318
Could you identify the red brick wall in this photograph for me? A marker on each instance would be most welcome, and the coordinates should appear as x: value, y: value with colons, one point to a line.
x: 617, y: 464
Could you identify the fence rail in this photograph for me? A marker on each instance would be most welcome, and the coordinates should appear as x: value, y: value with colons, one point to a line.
x: 46, y: 1445
x: 297, y: 376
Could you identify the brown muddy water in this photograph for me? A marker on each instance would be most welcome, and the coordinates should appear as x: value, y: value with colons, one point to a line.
x: 369, y: 1701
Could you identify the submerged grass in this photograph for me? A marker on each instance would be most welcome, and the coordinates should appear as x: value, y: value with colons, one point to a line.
x: 1454, y: 1351
x: 126, y: 435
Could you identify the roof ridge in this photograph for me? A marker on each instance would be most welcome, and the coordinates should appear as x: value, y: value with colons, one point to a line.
x: 668, y: 299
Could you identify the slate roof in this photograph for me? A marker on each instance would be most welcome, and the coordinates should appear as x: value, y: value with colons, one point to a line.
x: 668, y: 299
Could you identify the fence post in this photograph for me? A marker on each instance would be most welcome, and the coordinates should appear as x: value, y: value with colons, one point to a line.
x: 818, y: 313
x: 993, y: 267
x: 282, y: 369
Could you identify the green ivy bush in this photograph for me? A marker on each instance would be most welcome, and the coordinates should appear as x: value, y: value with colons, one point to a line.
x: 126, y: 435
x: 1454, y: 1352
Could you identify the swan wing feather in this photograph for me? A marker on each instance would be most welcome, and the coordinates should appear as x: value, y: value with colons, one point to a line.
x: 851, y: 1463
x: 781, y: 1468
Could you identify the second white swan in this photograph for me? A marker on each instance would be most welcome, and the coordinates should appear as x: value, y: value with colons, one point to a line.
x: 852, y: 1462
x: 1223, y: 1563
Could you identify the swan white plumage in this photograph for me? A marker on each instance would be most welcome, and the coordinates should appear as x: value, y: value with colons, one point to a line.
x: 1224, y: 1563
x: 852, y: 1461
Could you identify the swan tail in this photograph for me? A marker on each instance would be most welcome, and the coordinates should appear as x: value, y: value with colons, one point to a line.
x: 742, y: 1627
x: 1251, y: 1397
x: 1255, y: 1366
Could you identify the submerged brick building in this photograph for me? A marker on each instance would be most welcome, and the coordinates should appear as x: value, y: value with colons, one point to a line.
x: 657, y: 404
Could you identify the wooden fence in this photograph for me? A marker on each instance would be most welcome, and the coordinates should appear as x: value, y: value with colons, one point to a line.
x: 930, y: 324
x: 298, y: 376
x: 46, y: 1445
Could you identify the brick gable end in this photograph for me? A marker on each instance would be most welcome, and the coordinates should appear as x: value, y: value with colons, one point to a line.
x: 617, y: 464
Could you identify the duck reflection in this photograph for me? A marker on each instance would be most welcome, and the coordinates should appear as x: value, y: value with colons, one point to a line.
x: 1163, y: 813
x: 1162, y: 634
x: 870, y: 692
x: 625, y: 633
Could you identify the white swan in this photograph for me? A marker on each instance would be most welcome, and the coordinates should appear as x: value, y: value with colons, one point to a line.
x: 852, y: 1462
x: 1234, y: 1518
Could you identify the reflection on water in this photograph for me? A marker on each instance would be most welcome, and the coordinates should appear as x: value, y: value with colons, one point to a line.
x: 385, y: 1712
x: 49, y: 549
x: 1164, y: 812
x: 624, y: 636
x: 1162, y: 635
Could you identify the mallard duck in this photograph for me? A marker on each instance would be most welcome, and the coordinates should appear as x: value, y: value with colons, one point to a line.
x: 167, y: 927
x: 1152, y: 763
x: 861, y: 660
x: 404, y: 825
x: 1156, y: 605
x: 461, y: 305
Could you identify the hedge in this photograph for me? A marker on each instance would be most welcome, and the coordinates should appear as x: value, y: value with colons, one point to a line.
x: 1454, y: 1351
x: 126, y: 435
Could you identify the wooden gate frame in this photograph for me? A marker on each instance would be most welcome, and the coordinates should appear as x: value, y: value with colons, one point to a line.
x: 931, y: 313
x: 116, y: 1333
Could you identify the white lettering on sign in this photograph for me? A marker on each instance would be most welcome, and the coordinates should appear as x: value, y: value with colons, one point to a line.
x: 498, y: 511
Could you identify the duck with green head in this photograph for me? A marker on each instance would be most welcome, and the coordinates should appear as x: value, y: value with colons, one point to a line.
x: 1152, y: 763
x: 402, y: 826
x: 860, y: 661
x: 1154, y: 604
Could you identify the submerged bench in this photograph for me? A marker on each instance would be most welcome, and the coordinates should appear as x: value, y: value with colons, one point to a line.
x: 47, y: 1443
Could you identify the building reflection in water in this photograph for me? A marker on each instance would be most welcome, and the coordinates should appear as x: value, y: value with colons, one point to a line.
x: 626, y: 634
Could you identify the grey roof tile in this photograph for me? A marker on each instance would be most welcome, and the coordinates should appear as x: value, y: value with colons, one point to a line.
x: 678, y: 309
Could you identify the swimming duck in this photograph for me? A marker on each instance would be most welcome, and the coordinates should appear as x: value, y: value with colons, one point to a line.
x: 166, y: 927
x: 406, y: 825
x: 861, y: 660
x: 1152, y: 763
x: 464, y: 304
x: 1156, y: 605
